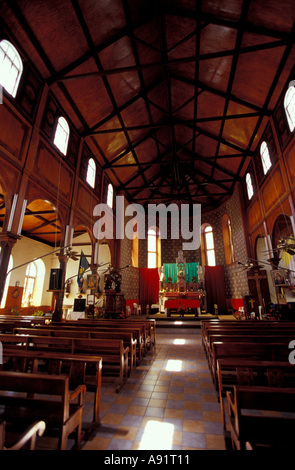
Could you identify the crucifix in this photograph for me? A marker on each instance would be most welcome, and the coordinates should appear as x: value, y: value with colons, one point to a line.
x: 257, y: 275
x: 252, y: 302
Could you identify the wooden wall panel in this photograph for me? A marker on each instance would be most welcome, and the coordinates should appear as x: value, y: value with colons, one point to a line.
x: 283, y: 208
x: 53, y: 172
x: 14, y: 133
x: 274, y: 190
x: 290, y: 163
x: 9, y: 178
x: 85, y: 202
x: 254, y: 214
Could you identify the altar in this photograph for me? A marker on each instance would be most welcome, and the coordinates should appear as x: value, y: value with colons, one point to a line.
x: 182, y: 287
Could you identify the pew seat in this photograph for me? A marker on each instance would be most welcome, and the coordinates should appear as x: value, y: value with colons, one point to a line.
x: 42, y: 397
x: 249, y: 422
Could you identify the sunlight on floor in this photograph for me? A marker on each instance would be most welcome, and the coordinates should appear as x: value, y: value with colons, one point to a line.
x: 157, y: 436
x: 174, y: 365
x: 179, y: 341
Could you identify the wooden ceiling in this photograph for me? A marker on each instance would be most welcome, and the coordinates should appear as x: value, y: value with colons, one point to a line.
x: 171, y: 96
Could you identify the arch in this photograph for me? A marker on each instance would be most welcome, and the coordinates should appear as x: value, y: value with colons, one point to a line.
x: 41, y: 222
x: 227, y: 239
x: 34, y: 283
x: 207, y: 245
x: 134, y: 247
x: 11, y: 67
x: 153, y: 247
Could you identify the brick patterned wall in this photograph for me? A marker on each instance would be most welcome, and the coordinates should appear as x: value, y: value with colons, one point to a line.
x: 236, y: 284
x: 130, y: 276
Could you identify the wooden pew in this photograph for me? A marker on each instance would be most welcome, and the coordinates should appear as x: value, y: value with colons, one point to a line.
x: 81, y: 369
x: 113, y: 323
x: 149, y: 326
x: 9, y: 322
x: 12, y: 440
x: 113, y: 352
x: 259, y: 328
x: 55, y: 405
x: 233, y: 371
x: 228, y: 325
x: 82, y: 332
x: 137, y: 334
x: 262, y: 432
x: 262, y: 337
x: 254, y: 351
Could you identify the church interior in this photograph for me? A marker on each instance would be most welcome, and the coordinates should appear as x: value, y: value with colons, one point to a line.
x: 147, y: 219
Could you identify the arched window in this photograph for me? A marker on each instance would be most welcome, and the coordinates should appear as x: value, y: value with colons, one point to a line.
x: 61, y: 136
x: 134, y: 245
x: 153, y: 248
x: 110, y: 196
x: 91, y: 172
x: 227, y: 240
x: 11, y: 67
x: 265, y: 157
x: 30, y: 279
x: 289, y: 104
x: 249, y: 185
x: 209, y: 247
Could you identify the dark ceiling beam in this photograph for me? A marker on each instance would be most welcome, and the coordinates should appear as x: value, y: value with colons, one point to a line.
x: 164, y: 63
x: 239, y: 37
x: 164, y: 55
x: 97, y: 49
x: 177, y: 122
x: 91, y: 45
x: 211, y: 18
x: 144, y: 92
x: 121, y: 108
x: 223, y: 141
x: 221, y: 94
x: 278, y: 73
x: 197, y: 67
x: 166, y: 162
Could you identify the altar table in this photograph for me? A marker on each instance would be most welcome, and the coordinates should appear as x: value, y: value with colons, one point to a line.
x: 194, y: 304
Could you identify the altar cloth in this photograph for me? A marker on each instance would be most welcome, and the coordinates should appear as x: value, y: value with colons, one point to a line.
x: 182, y: 303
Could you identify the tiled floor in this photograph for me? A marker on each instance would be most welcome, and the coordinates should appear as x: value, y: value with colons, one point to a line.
x: 168, y: 403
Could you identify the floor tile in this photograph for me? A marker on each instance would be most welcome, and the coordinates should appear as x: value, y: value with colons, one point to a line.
x: 180, y: 405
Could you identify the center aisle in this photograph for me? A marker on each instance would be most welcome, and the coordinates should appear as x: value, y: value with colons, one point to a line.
x: 168, y: 403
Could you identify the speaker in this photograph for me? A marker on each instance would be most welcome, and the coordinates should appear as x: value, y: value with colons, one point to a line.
x: 55, y: 279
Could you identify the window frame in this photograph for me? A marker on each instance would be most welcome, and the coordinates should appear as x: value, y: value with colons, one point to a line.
x: 90, y: 178
x: 157, y: 251
x: 12, y: 90
x: 208, y: 229
x: 28, y: 278
x: 290, y: 115
x: 58, y: 132
x: 250, y: 189
x: 265, y: 157
x: 110, y: 194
